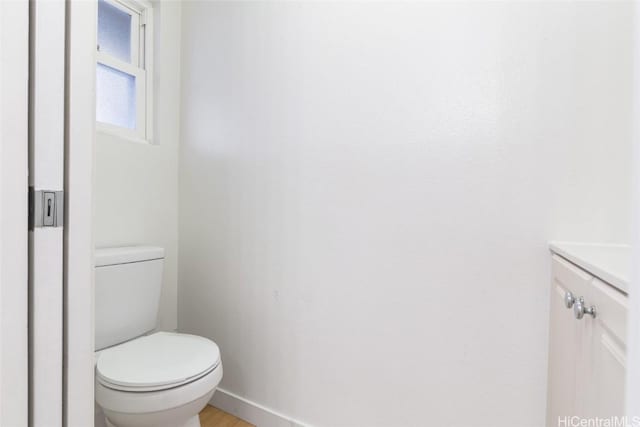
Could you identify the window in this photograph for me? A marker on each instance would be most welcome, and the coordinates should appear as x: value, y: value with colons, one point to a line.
x: 123, y: 69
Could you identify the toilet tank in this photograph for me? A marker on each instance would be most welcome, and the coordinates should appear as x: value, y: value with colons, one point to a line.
x: 127, y: 293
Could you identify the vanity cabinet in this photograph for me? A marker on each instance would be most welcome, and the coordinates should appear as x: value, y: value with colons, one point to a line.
x: 587, y: 356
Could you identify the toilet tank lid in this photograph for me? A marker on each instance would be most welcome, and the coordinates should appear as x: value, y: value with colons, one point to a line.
x: 127, y: 254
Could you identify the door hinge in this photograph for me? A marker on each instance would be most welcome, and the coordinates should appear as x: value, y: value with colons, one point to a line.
x: 46, y: 208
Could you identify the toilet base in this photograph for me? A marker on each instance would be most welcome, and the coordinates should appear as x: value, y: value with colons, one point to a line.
x: 183, y: 416
x: 191, y: 422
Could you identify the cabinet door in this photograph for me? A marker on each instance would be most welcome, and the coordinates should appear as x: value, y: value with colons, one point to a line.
x: 564, y: 341
x: 600, y: 368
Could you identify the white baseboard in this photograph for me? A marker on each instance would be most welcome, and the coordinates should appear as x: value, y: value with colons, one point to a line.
x: 252, y: 412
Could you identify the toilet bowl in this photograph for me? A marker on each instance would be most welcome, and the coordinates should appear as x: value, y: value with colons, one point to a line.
x: 159, y: 380
x: 145, y: 379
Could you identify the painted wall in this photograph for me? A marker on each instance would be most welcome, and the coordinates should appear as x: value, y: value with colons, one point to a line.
x: 367, y: 191
x: 136, y: 187
x: 633, y: 333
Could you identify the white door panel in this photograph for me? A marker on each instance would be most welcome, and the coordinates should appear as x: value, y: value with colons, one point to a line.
x: 46, y: 157
x: 563, y: 341
x: 601, y: 378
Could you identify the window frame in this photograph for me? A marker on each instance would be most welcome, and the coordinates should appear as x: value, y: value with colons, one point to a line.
x: 141, y: 67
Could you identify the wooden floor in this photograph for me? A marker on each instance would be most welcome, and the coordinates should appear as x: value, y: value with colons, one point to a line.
x: 214, y: 417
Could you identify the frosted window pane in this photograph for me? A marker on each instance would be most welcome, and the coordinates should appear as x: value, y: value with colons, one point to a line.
x: 115, y: 97
x: 114, y: 31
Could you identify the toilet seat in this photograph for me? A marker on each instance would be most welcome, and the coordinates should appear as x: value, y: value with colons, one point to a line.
x: 156, y: 362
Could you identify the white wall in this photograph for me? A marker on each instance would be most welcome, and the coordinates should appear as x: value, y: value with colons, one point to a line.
x: 367, y: 191
x: 633, y: 330
x: 137, y: 184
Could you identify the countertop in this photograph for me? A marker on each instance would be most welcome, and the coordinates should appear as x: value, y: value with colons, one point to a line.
x: 609, y: 262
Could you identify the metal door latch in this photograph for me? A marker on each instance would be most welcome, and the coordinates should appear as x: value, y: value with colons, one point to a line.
x: 46, y: 208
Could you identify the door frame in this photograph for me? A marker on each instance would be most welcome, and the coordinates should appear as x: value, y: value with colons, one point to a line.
x: 80, y: 132
x: 14, y: 101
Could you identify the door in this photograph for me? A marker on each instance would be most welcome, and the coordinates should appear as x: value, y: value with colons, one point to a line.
x: 46, y: 181
x: 563, y: 342
x: 14, y: 67
x: 602, y: 360
x: 47, y: 99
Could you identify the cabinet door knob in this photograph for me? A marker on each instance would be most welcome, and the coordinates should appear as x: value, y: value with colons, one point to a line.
x: 579, y: 309
x: 569, y: 299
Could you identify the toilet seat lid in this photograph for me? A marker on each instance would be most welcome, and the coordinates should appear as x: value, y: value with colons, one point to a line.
x: 156, y: 362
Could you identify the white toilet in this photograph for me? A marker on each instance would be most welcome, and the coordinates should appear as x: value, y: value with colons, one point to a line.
x: 157, y: 380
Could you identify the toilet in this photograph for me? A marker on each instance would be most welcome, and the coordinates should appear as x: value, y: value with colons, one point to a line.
x: 145, y: 379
